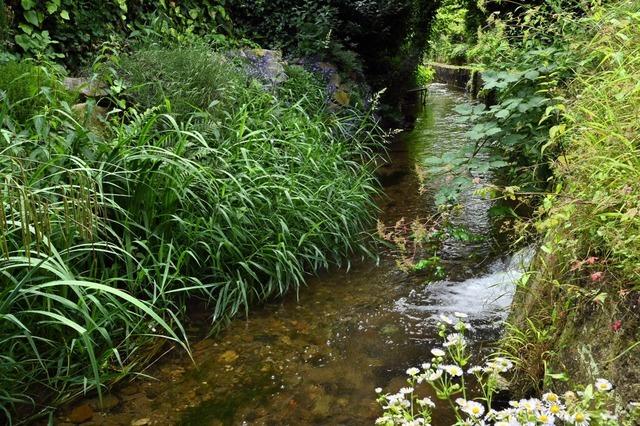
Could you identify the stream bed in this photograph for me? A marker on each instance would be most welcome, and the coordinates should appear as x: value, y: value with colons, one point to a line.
x: 316, y: 357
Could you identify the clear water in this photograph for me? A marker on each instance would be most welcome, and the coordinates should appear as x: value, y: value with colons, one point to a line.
x: 316, y: 359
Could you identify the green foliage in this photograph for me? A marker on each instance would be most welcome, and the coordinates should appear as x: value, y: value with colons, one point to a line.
x: 424, y: 75
x: 388, y: 38
x: 186, y: 79
x: 594, y: 209
x: 27, y: 88
x: 73, y: 28
x: 587, y: 275
x: 449, y: 38
x: 526, y: 76
x: 302, y: 86
x: 105, y: 235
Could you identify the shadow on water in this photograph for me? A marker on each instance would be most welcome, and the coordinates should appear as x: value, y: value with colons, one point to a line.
x: 317, y: 359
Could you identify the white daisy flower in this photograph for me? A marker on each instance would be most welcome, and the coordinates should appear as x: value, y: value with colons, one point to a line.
x: 453, y: 370
x: 438, y: 352
x: 413, y: 371
x: 445, y: 319
x: 546, y: 419
x: 455, y: 339
x: 474, y: 370
x: 405, y: 391
x: 580, y: 419
x: 474, y: 409
x: 461, y: 402
x: 426, y: 402
x: 603, y: 385
x: 434, y: 375
x: 378, y: 390
x: 556, y: 409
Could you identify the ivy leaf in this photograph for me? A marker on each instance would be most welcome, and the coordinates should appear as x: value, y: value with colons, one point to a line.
x: 503, y: 113
x: 52, y: 6
x: 32, y: 18
x: 27, y: 4
x: 28, y: 29
x: 531, y: 75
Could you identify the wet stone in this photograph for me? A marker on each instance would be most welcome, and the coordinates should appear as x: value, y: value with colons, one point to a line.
x: 228, y: 357
x: 129, y: 390
x: 108, y: 402
x: 81, y: 414
x: 322, y: 406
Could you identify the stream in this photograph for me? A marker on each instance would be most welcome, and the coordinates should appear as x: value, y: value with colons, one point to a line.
x: 315, y: 358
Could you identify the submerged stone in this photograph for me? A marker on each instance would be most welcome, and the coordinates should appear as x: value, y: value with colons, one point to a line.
x: 81, y: 414
x: 228, y: 357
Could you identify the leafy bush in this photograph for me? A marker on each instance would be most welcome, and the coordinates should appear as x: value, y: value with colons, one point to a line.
x: 424, y: 75
x: 450, y: 32
x: 525, y: 78
x: 74, y: 28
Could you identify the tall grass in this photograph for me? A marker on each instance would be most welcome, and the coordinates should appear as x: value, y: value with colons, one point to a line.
x: 597, y: 213
x: 232, y: 198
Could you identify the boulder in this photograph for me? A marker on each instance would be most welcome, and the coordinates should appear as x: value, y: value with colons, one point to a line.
x: 265, y: 65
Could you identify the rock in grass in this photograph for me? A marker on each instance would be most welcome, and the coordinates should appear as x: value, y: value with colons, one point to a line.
x: 141, y: 422
x: 81, y: 414
x: 265, y: 65
x: 86, y: 87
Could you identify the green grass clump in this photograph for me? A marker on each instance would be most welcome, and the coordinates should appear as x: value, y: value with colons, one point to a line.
x: 185, y: 79
x: 27, y: 88
x: 232, y: 195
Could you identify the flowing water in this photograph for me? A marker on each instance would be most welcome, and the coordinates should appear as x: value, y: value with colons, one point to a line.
x: 315, y: 359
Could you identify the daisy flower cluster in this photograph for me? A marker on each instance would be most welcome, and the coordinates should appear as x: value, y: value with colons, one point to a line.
x: 447, y: 378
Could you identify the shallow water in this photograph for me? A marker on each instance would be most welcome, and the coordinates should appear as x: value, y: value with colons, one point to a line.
x: 316, y: 359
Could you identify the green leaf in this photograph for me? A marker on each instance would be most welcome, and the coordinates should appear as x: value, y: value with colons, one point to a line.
x: 532, y: 75
x: 24, y: 41
x: 64, y: 15
x: 32, y: 17
x: 27, y: 4
x: 28, y: 29
x: 503, y: 113
x: 52, y: 6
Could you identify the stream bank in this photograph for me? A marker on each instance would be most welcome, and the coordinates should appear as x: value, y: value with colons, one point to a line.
x: 316, y: 358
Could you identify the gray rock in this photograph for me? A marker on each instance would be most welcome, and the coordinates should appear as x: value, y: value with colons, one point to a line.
x: 86, y: 87
x: 265, y: 65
